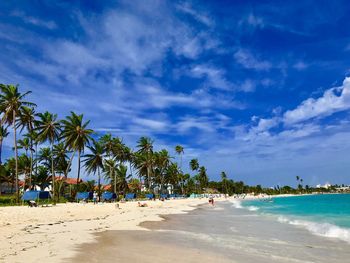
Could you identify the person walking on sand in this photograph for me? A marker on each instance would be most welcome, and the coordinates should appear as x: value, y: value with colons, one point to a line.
x: 211, y: 200
x: 94, y: 197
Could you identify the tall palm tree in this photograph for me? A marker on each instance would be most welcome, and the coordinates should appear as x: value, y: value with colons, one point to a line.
x: 194, y: 165
x: 203, y: 177
x: 44, y: 157
x: 60, y: 154
x: 94, y: 161
x: 145, y: 156
x: 11, y: 104
x: 122, y: 178
x: 110, y: 170
x: 24, y: 144
x: 224, y: 181
x: 48, y: 128
x: 3, y: 134
x: 26, y: 120
x: 180, y: 151
x: 76, y: 135
x: 162, y: 161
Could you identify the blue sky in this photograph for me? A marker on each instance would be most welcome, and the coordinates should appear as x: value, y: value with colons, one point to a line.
x: 258, y: 89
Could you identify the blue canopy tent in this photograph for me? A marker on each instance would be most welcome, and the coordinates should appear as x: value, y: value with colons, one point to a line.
x: 36, y: 196
x: 165, y: 196
x: 149, y: 196
x: 83, y: 196
x: 130, y: 196
x: 30, y: 196
x: 108, y: 196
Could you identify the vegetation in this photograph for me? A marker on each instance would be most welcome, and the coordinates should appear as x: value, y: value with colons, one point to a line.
x: 45, y: 147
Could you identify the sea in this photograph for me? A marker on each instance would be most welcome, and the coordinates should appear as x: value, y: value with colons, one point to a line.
x: 303, y: 229
x: 325, y: 215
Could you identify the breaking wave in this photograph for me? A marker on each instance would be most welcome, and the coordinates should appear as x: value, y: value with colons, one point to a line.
x: 320, y: 229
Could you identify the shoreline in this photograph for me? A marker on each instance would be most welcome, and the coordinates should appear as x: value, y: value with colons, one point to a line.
x: 213, y: 234
x: 53, y: 233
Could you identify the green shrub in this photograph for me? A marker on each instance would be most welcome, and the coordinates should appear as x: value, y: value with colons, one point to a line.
x: 7, y: 200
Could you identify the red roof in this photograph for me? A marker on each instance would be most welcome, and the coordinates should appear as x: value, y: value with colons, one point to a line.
x: 68, y: 180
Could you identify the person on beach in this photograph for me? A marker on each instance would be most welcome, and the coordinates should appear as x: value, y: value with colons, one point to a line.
x: 211, y: 200
x: 94, y: 197
x: 142, y: 205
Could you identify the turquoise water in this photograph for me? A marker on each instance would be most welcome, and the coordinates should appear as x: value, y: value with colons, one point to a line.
x: 326, y: 215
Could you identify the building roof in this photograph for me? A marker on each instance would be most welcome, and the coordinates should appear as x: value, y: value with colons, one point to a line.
x: 68, y: 180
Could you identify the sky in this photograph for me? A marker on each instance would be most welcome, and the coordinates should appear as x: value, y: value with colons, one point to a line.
x: 258, y: 89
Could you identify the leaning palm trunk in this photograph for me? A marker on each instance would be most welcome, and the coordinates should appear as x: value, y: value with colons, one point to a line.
x: 53, y: 175
x: 31, y: 164
x: 69, y: 164
x: 0, y: 151
x: 78, y: 177
x: 16, y: 156
x: 99, y: 183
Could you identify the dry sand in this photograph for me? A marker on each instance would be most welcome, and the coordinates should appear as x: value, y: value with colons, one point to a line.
x: 53, y: 233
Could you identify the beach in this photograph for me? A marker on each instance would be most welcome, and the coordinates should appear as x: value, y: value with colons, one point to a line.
x: 52, y: 233
x: 222, y: 233
x: 186, y: 230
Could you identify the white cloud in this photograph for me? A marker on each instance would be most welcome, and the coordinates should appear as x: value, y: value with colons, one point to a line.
x: 300, y: 65
x: 249, y: 61
x: 35, y: 21
x: 333, y: 100
x: 200, y: 17
x: 215, y: 76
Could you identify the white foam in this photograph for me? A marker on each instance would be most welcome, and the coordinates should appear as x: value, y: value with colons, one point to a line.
x: 252, y: 208
x: 320, y: 229
x: 236, y: 203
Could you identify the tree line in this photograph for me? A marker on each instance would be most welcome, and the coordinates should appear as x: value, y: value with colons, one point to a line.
x: 45, y: 148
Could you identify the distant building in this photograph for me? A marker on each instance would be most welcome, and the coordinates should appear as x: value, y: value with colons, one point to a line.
x: 326, y: 186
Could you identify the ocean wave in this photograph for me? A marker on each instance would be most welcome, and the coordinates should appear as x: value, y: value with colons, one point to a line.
x: 252, y: 208
x: 236, y: 203
x: 320, y: 229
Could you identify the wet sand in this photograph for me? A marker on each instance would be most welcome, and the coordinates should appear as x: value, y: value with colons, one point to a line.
x: 220, y: 234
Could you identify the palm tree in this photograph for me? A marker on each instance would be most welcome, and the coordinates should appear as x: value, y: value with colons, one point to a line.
x: 26, y: 120
x: 94, y: 161
x: 203, y: 177
x: 122, y: 178
x: 194, y: 165
x: 11, y: 104
x: 145, y: 157
x: 42, y: 177
x: 162, y: 161
x: 44, y: 157
x: 48, y: 128
x: 3, y: 134
x: 24, y: 144
x: 60, y: 154
x: 107, y: 142
x: 224, y: 181
x: 76, y: 135
x: 180, y: 151
x: 110, y: 169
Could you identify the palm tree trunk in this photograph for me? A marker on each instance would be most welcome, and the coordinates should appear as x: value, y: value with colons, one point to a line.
x: 0, y: 151
x: 78, y: 177
x: 69, y: 164
x: 53, y: 175
x: 31, y: 166
x: 115, y: 182
x: 16, y: 156
x: 99, y: 183
x: 36, y: 158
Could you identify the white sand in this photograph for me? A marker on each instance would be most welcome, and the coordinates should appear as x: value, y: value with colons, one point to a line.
x: 52, y: 233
